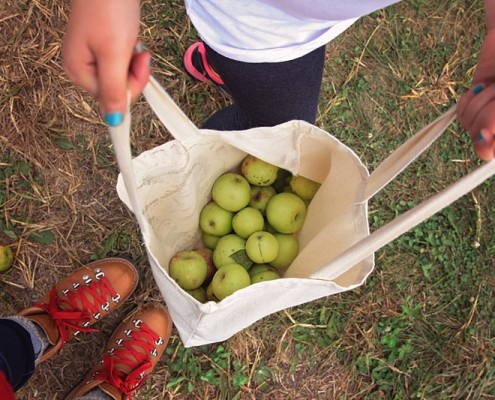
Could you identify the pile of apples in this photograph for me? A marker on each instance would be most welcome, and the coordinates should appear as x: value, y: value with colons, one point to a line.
x: 248, y: 231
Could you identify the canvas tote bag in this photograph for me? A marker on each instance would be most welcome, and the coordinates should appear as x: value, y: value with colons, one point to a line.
x: 167, y: 186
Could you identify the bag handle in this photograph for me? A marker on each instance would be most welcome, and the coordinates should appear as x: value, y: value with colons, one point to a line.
x: 177, y: 123
x: 121, y: 140
x: 168, y: 112
x: 396, y: 162
x: 392, y: 230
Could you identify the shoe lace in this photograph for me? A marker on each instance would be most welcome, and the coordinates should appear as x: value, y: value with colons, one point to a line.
x: 73, y: 311
x: 134, y: 353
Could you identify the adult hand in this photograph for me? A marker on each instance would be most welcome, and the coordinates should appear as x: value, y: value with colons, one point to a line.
x: 103, y: 55
x: 476, y: 109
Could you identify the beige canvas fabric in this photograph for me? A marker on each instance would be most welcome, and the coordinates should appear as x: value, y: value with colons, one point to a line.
x: 166, y: 188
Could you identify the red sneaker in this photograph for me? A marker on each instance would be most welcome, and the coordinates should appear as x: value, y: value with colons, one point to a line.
x: 130, y: 355
x: 75, y: 303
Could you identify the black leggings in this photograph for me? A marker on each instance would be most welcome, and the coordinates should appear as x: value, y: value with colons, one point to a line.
x: 16, y: 353
x: 267, y: 94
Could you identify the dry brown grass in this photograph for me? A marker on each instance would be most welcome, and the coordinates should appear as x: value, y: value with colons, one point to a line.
x: 72, y: 191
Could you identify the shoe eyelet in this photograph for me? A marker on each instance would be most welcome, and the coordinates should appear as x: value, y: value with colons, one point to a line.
x: 86, y: 324
x: 116, y: 298
x: 96, y: 316
x: 99, y: 274
x: 111, y: 351
x: 119, y: 342
x: 64, y: 292
x: 106, y: 306
x: 159, y: 341
x: 154, y: 353
x: 75, y: 285
x: 76, y: 333
x: 87, y: 280
x: 128, y: 332
x: 137, y: 323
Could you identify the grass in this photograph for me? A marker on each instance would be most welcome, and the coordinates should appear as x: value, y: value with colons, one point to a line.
x: 421, y: 327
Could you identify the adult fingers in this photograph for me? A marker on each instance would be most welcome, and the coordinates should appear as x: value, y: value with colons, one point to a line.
x: 474, y: 104
x: 484, y: 144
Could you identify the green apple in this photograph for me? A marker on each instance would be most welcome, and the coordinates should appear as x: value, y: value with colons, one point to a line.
x: 260, y: 195
x: 6, y: 258
x: 286, y: 212
x: 188, y: 268
x: 258, y: 172
x: 228, y: 279
x: 305, y: 188
x: 288, y: 250
x: 198, y: 293
x: 247, y: 221
x: 207, y: 254
x: 228, y: 246
x: 262, y: 247
x: 210, y: 241
x: 231, y: 191
x: 214, y: 220
x: 260, y: 268
x: 264, y: 276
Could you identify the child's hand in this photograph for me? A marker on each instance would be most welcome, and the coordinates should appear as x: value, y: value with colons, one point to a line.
x: 102, y: 54
x: 476, y: 109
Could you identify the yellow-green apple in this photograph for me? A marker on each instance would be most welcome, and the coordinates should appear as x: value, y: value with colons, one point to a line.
x: 262, y: 247
x: 247, y: 221
x: 286, y: 212
x: 258, y: 172
x: 227, y: 247
x: 260, y: 268
x: 288, y: 250
x: 188, y: 268
x: 231, y: 191
x: 264, y: 276
x: 215, y: 220
x: 207, y: 254
x: 198, y: 293
x: 6, y: 258
x: 260, y: 196
x: 305, y: 188
x: 209, y: 241
x: 229, y: 279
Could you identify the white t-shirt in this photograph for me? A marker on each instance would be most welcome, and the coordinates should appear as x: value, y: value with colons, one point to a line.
x: 274, y: 30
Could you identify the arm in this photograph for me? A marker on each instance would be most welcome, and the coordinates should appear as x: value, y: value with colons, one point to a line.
x: 476, y: 109
x: 100, y: 53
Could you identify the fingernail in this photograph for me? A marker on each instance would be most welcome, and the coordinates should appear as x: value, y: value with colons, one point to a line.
x: 480, y: 138
x: 114, y: 118
x: 478, y: 88
x: 138, y: 48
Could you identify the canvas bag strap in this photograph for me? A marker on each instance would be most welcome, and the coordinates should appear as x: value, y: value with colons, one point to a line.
x: 400, y: 158
x: 404, y: 223
x: 168, y: 112
x: 121, y: 140
x: 385, y: 173
x: 171, y: 116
